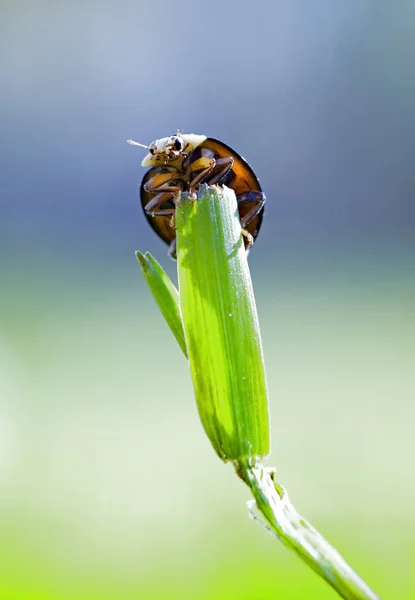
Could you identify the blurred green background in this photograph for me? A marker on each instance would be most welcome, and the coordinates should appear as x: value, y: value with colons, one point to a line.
x: 108, y: 485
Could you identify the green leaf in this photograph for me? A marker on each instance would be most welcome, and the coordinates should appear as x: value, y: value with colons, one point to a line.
x: 221, y: 324
x: 165, y: 294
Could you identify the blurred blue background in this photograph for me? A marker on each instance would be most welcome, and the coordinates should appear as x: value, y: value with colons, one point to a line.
x: 108, y: 485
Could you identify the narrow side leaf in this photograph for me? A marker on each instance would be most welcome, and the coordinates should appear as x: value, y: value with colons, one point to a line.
x: 165, y: 294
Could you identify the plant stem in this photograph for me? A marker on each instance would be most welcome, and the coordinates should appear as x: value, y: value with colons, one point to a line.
x: 296, y: 533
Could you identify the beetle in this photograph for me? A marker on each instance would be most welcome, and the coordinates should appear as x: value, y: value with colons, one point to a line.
x: 180, y: 163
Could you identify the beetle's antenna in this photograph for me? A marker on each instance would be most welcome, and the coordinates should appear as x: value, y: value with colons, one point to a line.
x: 133, y: 143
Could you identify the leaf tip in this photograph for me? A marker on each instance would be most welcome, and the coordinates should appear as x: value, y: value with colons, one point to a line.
x: 142, y: 260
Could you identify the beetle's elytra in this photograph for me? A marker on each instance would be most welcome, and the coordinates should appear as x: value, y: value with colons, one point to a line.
x: 180, y: 163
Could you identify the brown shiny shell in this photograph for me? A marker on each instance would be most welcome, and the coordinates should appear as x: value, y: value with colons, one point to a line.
x: 241, y: 179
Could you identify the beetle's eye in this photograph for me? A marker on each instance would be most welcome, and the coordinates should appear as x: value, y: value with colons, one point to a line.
x: 152, y: 151
x: 178, y: 144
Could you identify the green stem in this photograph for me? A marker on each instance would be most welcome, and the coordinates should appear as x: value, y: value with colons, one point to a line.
x: 296, y: 533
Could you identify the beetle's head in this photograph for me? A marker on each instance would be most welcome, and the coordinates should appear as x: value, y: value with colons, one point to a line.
x: 163, y: 151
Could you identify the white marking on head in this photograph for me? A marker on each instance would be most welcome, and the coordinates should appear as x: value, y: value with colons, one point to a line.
x: 170, y: 149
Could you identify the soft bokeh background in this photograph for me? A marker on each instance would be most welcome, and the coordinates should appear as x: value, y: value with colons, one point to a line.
x: 109, y: 487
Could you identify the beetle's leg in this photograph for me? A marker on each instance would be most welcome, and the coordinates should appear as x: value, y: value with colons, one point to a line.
x: 257, y: 199
x: 172, y: 251
x: 153, y: 207
x: 165, y: 188
x: 162, y: 212
x: 248, y: 237
x: 173, y: 220
x: 203, y: 164
x: 161, y: 178
x: 222, y: 168
x: 211, y: 170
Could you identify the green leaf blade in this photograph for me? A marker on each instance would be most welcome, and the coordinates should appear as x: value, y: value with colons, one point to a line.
x: 221, y: 325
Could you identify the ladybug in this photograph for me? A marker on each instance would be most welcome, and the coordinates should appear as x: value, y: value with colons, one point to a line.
x: 180, y: 163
